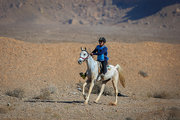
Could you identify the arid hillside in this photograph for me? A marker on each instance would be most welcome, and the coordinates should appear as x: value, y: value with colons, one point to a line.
x: 47, y: 21
x: 86, y: 11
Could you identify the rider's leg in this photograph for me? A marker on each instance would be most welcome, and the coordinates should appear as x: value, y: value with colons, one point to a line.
x: 104, y: 68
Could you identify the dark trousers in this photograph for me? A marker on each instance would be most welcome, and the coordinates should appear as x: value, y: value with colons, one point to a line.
x: 104, y: 66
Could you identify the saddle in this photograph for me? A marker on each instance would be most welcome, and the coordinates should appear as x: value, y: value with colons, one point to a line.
x: 83, y: 75
x: 100, y: 67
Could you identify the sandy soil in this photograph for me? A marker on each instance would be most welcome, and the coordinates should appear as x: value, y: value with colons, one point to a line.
x: 33, y: 67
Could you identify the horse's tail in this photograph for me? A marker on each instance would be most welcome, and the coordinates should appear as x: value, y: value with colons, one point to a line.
x: 121, y: 77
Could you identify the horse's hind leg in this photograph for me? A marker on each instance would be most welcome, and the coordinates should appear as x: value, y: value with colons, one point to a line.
x: 115, y: 83
x: 102, y: 90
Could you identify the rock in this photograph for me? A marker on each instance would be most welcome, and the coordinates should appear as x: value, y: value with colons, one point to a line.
x: 147, y: 23
x: 142, y: 73
x: 164, y: 26
x: 73, y: 93
x: 79, y: 89
x: 8, y: 104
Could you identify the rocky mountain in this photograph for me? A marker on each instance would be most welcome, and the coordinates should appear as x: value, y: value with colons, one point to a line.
x: 84, y: 11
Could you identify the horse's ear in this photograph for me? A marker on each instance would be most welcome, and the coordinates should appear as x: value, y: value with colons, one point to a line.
x: 88, y: 50
x: 85, y: 48
x: 81, y: 49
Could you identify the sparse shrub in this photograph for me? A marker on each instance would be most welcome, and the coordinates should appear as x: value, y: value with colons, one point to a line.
x: 162, y: 95
x: 18, y: 92
x: 51, y: 89
x: 45, y: 93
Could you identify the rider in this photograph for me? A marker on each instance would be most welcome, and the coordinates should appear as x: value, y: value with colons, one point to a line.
x: 101, y: 52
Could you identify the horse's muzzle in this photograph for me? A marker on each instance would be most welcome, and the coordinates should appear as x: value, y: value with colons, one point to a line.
x: 80, y: 62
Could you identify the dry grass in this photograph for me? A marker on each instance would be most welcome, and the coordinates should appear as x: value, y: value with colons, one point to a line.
x: 18, y: 92
x: 45, y: 93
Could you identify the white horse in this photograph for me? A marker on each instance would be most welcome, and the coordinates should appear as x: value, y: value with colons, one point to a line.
x: 114, y: 73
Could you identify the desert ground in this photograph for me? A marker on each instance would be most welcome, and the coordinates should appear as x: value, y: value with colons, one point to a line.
x: 49, y: 70
x: 39, y: 70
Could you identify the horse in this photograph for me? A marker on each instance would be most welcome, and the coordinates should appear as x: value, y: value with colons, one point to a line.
x: 114, y: 73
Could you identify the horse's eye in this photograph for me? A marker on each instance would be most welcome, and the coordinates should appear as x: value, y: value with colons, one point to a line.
x: 84, y: 54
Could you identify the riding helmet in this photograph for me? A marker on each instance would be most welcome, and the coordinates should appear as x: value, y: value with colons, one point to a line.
x: 102, y: 39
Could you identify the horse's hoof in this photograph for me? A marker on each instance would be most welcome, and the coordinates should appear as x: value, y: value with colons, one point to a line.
x: 85, y: 102
x: 113, y: 104
x: 95, y: 101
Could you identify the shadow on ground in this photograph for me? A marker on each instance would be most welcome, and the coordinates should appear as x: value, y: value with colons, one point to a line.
x: 54, y: 101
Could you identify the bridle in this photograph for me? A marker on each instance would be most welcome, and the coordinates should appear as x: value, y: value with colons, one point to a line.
x: 85, y: 57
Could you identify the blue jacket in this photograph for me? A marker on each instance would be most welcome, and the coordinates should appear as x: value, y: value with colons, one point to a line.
x: 101, y: 53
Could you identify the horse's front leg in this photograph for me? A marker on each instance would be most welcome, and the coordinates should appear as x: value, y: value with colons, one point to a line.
x: 84, y: 85
x: 90, y: 89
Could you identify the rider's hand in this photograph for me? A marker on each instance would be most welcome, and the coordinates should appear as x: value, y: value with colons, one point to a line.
x: 91, y: 54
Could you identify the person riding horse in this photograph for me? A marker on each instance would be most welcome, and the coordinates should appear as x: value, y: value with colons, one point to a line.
x: 101, y: 52
x: 114, y: 73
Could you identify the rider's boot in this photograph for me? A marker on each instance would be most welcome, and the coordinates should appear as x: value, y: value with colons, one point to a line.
x: 100, y: 77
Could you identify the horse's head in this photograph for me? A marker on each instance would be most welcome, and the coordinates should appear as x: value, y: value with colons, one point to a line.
x: 83, y: 56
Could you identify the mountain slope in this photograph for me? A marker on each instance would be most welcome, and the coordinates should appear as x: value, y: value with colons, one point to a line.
x: 80, y: 11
